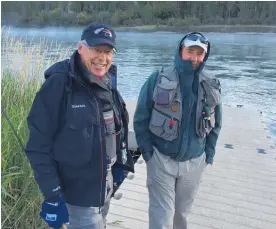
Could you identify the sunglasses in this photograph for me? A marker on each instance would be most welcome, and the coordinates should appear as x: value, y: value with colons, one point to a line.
x: 197, y: 36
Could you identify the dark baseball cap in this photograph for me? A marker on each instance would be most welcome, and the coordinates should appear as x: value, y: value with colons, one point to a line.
x: 96, y: 34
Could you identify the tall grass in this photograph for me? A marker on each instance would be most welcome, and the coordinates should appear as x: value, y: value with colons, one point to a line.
x: 22, y: 75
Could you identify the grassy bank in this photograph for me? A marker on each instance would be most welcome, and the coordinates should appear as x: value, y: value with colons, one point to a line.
x: 202, y: 28
x: 20, y: 196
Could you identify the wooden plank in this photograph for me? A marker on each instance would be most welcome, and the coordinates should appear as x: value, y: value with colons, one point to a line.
x: 206, y: 199
x: 238, y: 191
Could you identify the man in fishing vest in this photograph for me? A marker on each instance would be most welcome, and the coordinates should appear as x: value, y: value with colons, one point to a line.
x: 78, y: 132
x: 177, y: 123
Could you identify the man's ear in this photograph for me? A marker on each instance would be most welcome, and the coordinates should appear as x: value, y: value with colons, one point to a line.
x: 80, y: 47
x: 180, y: 50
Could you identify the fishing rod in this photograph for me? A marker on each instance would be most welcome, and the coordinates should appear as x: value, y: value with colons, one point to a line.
x: 12, y: 127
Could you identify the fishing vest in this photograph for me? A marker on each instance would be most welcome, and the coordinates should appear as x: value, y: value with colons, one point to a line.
x: 113, y: 123
x: 167, y: 110
x: 112, y: 117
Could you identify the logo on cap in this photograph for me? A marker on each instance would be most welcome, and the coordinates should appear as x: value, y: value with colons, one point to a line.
x: 106, y: 32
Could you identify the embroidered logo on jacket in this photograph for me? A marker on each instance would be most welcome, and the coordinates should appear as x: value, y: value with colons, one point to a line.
x: 78, y: 106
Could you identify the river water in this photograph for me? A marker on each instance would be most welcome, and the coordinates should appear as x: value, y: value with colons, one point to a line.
x: 245, y: 63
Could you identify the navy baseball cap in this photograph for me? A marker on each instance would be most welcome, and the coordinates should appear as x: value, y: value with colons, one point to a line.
x: 96, y: 34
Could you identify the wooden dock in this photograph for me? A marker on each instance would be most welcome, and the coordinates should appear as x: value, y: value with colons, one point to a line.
x: 237, y: 192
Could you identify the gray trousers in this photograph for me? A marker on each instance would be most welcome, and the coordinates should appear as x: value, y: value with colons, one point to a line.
x: 90, y: 217
x: 172, y: 187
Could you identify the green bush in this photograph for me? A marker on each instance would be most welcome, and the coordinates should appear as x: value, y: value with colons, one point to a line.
x: 55, y: 17
x: 103, y: 17
x: 133, y: 22
x: 191, y: 21
x: 166, y: 10
x: 177, y: 22
x: 84, y: 19
x: 43, y: 16
x: 69, y: 19
x: 147, y: 16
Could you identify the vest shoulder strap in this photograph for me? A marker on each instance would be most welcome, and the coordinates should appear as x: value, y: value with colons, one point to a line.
x: 169, y: 73
x: 211, y: 79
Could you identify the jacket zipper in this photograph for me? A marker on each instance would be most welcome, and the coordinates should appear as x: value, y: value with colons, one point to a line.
x: 181, y: 149
x: 100, y: 136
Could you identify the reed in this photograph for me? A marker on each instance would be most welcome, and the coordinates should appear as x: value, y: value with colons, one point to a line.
x: 22, y: 70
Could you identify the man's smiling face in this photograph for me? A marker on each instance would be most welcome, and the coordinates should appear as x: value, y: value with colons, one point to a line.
x: 97, y: 59
x: 195, y: 54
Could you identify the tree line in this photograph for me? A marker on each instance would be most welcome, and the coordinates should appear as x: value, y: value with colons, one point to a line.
x: 136, y: 13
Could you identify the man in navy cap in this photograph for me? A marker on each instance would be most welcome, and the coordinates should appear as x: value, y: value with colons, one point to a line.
x: 78, y: 130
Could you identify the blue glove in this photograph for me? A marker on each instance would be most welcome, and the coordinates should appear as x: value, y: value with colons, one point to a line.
x: 55, y: 214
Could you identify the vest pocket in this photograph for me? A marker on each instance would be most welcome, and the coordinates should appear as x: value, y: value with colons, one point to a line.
x: 212, y: 92
x: 166, y: 92
x: 163, y: 126
x: 157, y: 123
x: 211, y: 97
x: 110, y: 134
x: 206, y: 125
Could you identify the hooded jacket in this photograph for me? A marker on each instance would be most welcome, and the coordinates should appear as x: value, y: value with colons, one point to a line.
x: 188, y: 145
x: 67, y: 147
